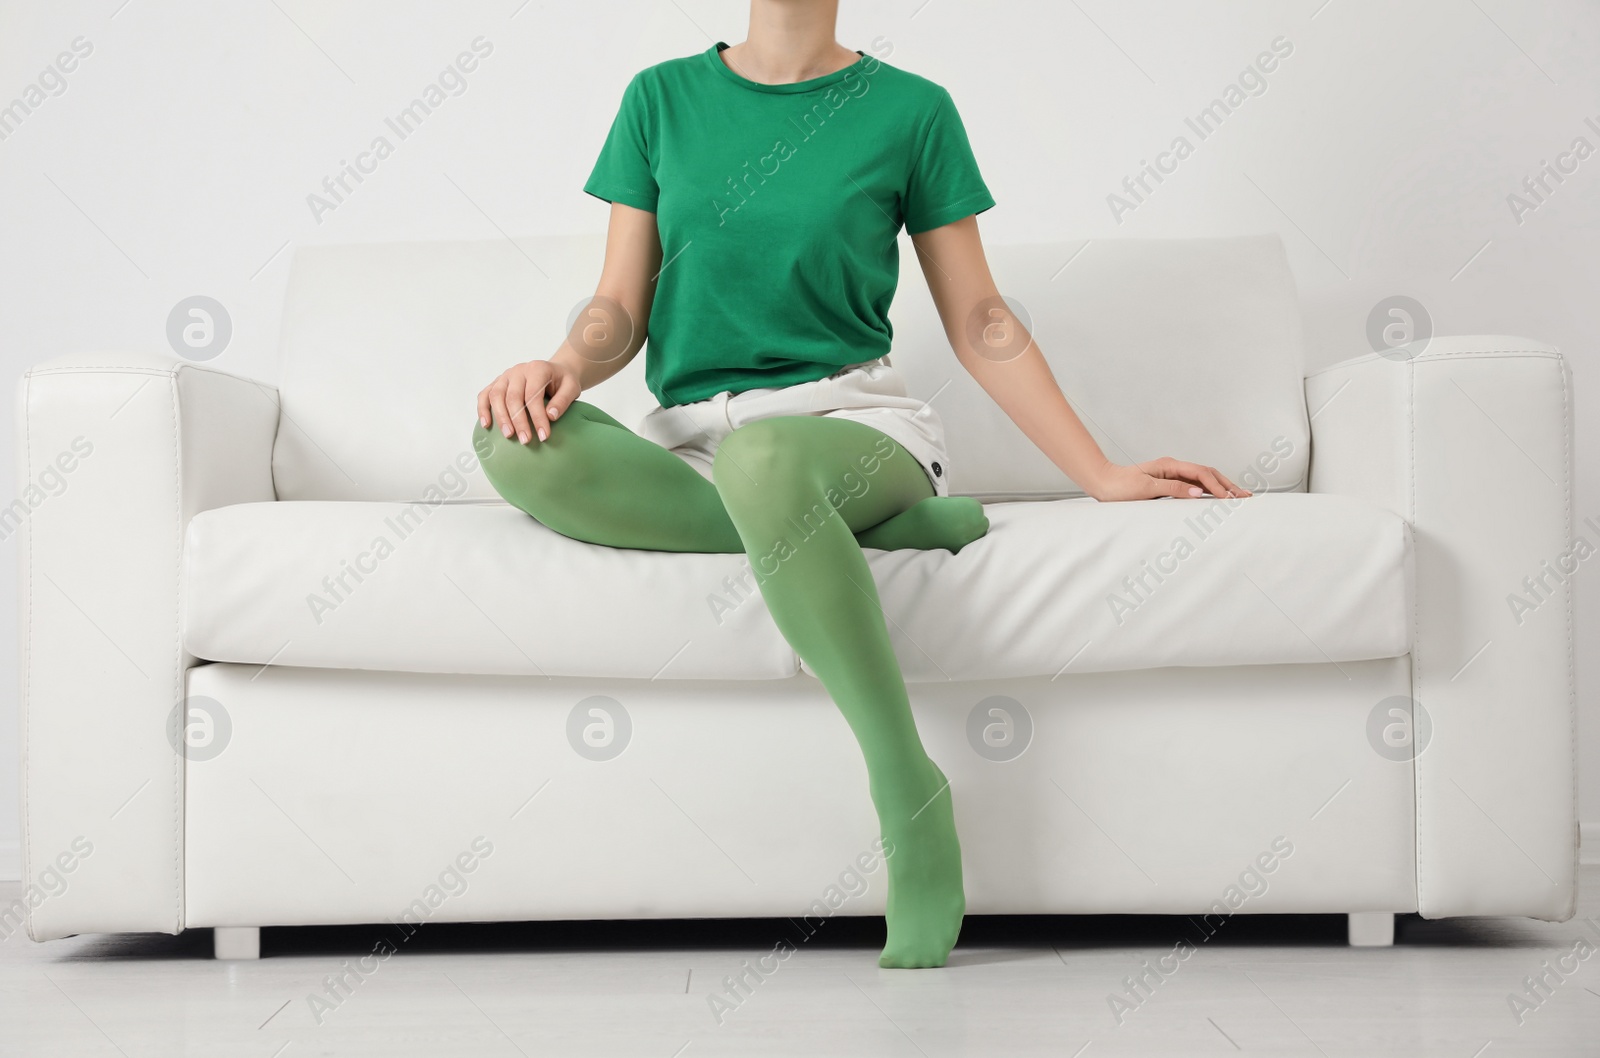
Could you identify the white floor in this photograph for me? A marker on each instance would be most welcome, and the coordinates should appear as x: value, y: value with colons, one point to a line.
x: 1279, y: 986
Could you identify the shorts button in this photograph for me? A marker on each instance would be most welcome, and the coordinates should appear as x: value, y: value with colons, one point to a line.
x: 938, y: 471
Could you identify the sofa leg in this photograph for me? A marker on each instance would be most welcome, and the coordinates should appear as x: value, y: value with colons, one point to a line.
x: 1371, y: 929
x: 236, y: 942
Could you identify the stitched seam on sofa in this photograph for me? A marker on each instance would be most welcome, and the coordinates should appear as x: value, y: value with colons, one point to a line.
x: 26, y: 660
x: 228, y: 375
x: 87, y: 370
x: 1416, y: 630
x: 1477, y: 354
x: 154, y: 371
x: 1543, y: 354
x: 180, y: 757
x: 1571, y: 673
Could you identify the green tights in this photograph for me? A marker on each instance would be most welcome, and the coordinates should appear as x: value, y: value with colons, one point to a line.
x: 801, y: 495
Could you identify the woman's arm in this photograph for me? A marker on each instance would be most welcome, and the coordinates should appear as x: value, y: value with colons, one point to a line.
x: 607, y: 334
x: 958, y: 277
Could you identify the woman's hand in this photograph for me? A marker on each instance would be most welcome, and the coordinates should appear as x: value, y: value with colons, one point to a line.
x: 1162, y: 477
x: 526, y: 397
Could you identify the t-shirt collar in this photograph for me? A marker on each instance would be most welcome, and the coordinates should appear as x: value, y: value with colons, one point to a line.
x: 714, y: 57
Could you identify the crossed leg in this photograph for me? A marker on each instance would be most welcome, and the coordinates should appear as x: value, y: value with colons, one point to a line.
x: 796, y: 487
x: 597, y: 480
x: 800, y: 495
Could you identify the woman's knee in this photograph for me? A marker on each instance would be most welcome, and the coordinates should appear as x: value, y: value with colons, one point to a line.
x: 757, y: 455
x: 526, y: 473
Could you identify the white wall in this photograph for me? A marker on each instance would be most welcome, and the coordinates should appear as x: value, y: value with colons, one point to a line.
x: 178, y: 158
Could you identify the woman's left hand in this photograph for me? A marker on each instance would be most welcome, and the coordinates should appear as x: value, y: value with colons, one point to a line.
x: 1162, y: 477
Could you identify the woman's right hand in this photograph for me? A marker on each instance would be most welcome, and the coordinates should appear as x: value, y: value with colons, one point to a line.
x: 526, y: 397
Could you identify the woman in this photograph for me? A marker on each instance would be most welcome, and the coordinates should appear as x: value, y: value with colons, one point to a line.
x: 756, y: 194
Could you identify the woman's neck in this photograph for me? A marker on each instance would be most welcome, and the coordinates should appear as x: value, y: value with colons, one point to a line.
x: 789, y: 41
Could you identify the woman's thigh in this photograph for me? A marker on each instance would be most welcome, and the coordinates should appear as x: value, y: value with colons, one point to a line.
x: 596, y: 480
x: 797, y: 461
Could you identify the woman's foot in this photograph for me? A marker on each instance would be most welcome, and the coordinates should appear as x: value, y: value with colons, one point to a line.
x: 926, y: 901
x: 949, y: 523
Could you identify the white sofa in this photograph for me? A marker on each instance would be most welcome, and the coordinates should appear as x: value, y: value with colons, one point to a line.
x: 404, y: 700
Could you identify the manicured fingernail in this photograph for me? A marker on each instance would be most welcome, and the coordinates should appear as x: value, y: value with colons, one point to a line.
x: 505, y: 428
x: 522, y: 435
x: 483, y: 419
x: 554, y: 412
x: 1194, y: 491
x: 542, y: 434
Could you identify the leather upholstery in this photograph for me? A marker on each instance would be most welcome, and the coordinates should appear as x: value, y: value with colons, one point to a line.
x: 98, y: 594
x: 343, y: 796
x: 1471, y: 442
x: 396, y: 340
x: 474, y: 588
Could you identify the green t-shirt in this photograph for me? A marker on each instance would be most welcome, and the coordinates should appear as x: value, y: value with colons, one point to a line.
x: 778, y: 208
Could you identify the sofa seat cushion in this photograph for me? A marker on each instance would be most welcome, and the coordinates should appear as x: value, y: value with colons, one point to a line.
x: 483, y: 588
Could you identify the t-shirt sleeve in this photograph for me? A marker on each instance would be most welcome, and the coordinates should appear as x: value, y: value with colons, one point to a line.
x: 622, y: 173
x: 945, y: 184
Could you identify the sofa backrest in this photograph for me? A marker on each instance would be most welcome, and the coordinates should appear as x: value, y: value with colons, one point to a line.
x: 385, y: 347
x: 1165, y: 347
x: 1183, y: 347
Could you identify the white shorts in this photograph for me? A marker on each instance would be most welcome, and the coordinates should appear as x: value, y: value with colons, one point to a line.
x: 873, y: 393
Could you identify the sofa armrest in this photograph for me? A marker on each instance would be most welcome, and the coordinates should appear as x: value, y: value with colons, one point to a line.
x: 115, y: 453
x: 1470, y: 441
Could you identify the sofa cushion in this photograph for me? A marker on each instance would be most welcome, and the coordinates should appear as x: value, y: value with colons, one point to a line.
x: 483, y: 588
